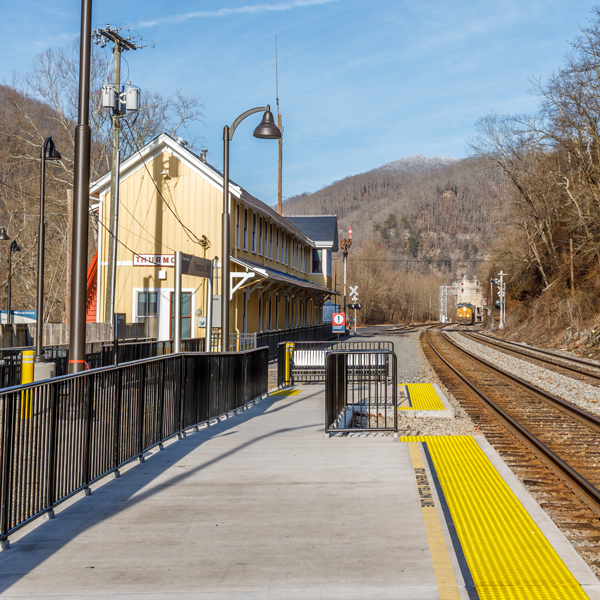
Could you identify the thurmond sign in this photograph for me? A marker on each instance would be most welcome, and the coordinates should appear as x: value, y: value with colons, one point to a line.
x: 158, y: 260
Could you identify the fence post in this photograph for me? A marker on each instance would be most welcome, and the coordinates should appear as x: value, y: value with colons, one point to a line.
x: 161, y: 403
x: 89, y: 382
x: 117, y: 422
x: 141, y: 412
x: 7, y: 456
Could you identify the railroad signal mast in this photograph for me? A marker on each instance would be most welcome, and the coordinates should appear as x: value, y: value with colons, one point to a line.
x: 345, y: 244
x: 502, y: 298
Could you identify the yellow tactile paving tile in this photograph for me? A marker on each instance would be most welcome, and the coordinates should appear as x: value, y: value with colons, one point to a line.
x: 285, y: 393
x: 508, y: 556
x: 422, y: 397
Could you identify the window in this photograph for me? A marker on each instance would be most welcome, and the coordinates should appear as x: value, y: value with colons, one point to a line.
x: 147, y: 311
x: 260, y: 235
x: 277, y: 244
x: 271, y: 243
x: 317, y: 261
x: 186, y: 315
x: 245, y: 229
x: 253, y: 232
x: 284, y: 259
x: 237, y: 226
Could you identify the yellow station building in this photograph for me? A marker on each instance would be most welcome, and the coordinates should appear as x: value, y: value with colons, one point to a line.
x: 171, y: 199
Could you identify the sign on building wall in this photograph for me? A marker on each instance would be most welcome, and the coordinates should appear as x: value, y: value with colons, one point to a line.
x: 153, y: 260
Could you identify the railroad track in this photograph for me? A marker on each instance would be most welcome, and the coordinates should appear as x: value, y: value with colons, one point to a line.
x: 551, y: 445
x: 584, y: 370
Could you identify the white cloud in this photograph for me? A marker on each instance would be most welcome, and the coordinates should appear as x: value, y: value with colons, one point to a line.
x: 277, y: 6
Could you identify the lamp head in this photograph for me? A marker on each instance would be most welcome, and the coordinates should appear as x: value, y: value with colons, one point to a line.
x: 3, y: 235
x: 267, y: 130
x: 14, y: 247
x: 51, y: 153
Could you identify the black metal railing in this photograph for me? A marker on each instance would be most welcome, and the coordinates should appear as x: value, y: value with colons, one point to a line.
x: 360, y: 391
x: 60, y: 435
x: 98, y: 354
x: 311, y: 333
x: 304, y: 362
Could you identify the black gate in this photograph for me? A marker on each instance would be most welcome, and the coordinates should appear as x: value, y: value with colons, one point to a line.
x: 360, y: 391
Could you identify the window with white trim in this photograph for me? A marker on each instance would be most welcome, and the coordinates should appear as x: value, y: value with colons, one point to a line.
x: 237, y: 226
x: 317, y: 261
x: 260, y: 235
x: 253, y: 232
x: 277, y: 244
x: 245, y: 229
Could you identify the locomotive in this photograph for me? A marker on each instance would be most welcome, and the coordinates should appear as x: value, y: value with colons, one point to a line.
x: 465, y: 313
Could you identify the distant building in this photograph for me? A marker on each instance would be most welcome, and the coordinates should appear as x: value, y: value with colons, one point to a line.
x: 172, y: 199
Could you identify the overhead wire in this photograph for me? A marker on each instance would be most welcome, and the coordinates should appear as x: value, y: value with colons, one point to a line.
x: 333, y: 37
x: 196, y: 240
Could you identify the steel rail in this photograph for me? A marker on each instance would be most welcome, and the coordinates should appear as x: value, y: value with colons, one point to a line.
x: 579, y: 483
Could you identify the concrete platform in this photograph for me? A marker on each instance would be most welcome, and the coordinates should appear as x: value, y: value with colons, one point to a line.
x: 260, y: 505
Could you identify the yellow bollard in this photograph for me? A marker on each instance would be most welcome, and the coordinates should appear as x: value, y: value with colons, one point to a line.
x: 26, y: 377
x: 289, y: 352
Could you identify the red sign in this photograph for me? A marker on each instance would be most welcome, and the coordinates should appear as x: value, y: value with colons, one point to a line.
x: 338, y: 321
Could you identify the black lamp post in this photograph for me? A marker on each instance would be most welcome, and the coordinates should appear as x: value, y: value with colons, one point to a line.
x: 14, y: 247
x: 5, y: 238
x: 48, y: 152
x: 266, y: 130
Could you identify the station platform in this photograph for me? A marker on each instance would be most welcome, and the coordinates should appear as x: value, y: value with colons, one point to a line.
x: 263, y: 506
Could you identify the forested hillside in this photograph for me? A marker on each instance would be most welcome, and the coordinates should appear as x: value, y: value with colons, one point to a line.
x: 429, y: 221
x: 445, y: 218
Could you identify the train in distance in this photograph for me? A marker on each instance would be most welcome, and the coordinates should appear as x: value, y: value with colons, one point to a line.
x: 469, y: 301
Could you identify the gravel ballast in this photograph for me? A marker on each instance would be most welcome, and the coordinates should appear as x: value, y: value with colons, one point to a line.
x: 572, y: 390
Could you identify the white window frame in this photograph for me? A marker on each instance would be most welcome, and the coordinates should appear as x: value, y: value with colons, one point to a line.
x: 237, y: 225
x: 245, y: 229
x: 254, y: 232
x: 260, y: 235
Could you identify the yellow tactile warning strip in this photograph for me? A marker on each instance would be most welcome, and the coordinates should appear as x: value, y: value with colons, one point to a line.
x: 442, y: 567
x: 285, y: 393
x: 508, y: 556
x: 422, y: 396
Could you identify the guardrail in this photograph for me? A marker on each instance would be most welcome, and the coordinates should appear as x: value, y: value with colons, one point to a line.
x: 360, y: 391
x: 60, y: 435
x: 98, y: 354
x: 304, y: 362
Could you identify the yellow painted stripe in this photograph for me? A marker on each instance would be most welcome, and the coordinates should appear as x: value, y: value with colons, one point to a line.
x: 423, y: 397
x: 285, y: 393
x: 442, y: 567
x: 508, y: 556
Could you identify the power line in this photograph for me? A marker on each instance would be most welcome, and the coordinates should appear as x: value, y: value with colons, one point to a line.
x: 185, y: 227
x: 333, y: 37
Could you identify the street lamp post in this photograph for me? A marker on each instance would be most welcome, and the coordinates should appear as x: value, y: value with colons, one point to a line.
x: 14, y: 247
x: 266, y: 130
x: 4, y: 237
x: 48, y: 152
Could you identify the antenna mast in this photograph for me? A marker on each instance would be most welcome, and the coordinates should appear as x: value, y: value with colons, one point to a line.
x: 280, y: 125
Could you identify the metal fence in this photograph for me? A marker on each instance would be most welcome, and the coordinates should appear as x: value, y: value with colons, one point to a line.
x: 360, y: 391
x: 98, y: 354
x: 58, y: 436
x: 304, y: 362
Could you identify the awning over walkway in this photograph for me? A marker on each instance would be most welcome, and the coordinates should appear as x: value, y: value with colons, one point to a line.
x: 256, y: 273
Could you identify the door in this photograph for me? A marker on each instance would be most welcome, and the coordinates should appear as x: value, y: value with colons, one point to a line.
x: 186, y: 315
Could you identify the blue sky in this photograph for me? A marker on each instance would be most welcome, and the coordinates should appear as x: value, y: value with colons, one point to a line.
x: 411, y: 83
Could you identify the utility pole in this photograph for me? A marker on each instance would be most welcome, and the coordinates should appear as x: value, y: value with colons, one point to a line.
x: 572, y: 269
x: 345, y: 244
x: 120, y: 44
